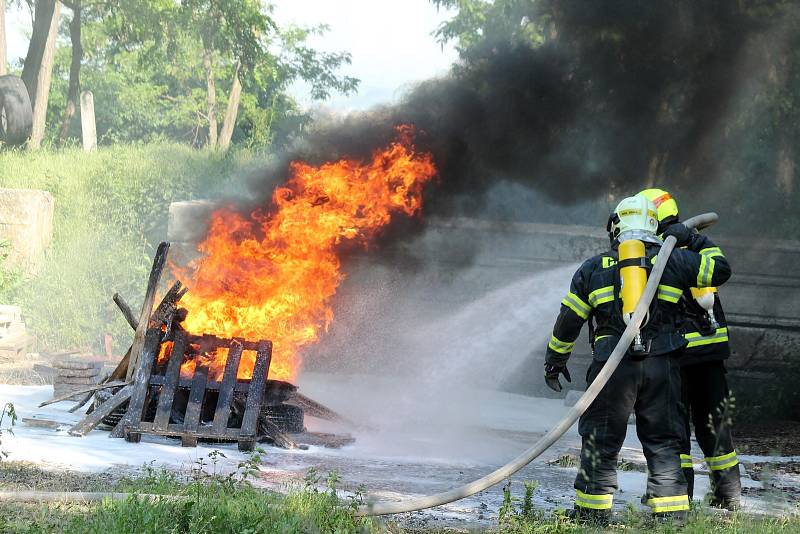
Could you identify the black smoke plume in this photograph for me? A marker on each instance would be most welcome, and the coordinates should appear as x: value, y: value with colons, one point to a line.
x: 620, y: 94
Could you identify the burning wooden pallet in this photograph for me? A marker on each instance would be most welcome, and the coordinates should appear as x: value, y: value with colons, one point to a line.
x: 159, y: 392
x: 156, y: 391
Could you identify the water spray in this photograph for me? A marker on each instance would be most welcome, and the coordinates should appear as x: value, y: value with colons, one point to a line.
x: 631, y: 330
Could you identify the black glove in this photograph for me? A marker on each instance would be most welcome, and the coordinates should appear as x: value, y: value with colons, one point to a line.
x: 551, y: 373
x: 682, y: 234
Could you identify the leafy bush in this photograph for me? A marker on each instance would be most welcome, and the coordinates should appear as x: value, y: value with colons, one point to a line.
x: 111, y: 210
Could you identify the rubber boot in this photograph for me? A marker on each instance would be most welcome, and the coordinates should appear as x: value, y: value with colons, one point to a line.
x: 588, y: 516
x: 726, y: 489
x: 688, y: 472
x: 677, y: 519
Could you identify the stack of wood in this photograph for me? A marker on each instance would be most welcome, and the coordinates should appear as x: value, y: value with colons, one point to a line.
x: 13, y: 338
x: 75, y: 375
x: 133, y: 369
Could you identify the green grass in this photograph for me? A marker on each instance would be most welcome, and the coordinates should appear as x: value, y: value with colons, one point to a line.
x: 210, y: 503
x: 638, y: 522
x: 111, y: 209
x: 218, y: 503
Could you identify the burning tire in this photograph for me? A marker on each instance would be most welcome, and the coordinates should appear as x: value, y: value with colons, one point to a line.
x: 16, y: 115
x: 287, y: 418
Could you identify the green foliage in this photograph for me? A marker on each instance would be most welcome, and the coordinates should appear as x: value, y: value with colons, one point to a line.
x: 479, y: 25
x: 144, y: 63
x: 111, y: 210
x: 10, y: 276
x: 221, y: 504
x: 7, y: 411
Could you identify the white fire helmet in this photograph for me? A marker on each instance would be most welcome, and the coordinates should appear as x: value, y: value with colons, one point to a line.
x: 634, y: 218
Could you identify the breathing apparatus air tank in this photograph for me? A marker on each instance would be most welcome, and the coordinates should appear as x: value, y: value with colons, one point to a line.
x: 705, y: 298
x: 633, y: 279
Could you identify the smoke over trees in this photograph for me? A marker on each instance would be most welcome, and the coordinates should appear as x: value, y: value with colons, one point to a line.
x: 582, y: 99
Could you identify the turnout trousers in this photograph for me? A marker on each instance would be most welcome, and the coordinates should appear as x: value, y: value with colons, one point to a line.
x: 706, y: 394
x: 651, y: 388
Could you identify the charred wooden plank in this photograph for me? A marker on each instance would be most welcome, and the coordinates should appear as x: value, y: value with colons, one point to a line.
x: 165, y: 307
x: 91, y: 421
x: 223, y: 411
x: 169, y: 303
x: 87, y: 397
x: 279, y: 438
x: 38, y: 422
x: 315, y: 409
x: 186, y: 383
x: 322, y: 439
x: 171, y: 378
x: 255, y: 394
x: 147, y: 308
x: 194, y: 407
x: 141, y: 383
x: 87, y: 389
x: 126, y: 310
x: 121, y: 370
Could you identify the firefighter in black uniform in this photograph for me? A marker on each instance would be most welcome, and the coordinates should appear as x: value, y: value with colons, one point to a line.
x: 647, y: 380
x: 705, y: 388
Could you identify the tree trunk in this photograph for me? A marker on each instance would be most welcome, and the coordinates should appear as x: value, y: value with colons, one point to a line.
x: 231, y: 111
x: 74, y: 70
x: 42, y: 17
x: 43, y: 82
x: 3, y: 56
x: 211, y: 94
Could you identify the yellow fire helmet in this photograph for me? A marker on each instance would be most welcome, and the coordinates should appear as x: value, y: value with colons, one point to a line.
x: 634, y: 218
x: 666, y: 207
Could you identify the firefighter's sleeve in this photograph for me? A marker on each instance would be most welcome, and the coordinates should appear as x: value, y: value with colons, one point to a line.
x: 705, y: 264
x: 575, y: 310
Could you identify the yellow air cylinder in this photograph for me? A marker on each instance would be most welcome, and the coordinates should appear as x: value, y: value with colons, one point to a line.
x: 704, y: 296
x: 634, y: 278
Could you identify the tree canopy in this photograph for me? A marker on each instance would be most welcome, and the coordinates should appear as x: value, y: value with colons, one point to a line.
x: 167, y: 69
x: 692, y: 94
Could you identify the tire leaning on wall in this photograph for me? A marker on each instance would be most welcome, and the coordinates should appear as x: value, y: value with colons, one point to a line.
x: 16, y: 115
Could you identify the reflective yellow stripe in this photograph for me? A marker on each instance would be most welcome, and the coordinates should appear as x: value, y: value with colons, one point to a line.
x: 726, y: 461
x: 595, y: 502
x: 686, y: 461
x: 562, y: 347
x: 706, y: 271
x: 598, y: 338
x: 728, y: 465
x: 712, y: 252
x: 601, y: 296
x: 574, y: 303
x: 697, y: 339
x: 669, y: 293
x: 668, y: 504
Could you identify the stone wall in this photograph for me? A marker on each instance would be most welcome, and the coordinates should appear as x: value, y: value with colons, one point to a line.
x: 26, y: 220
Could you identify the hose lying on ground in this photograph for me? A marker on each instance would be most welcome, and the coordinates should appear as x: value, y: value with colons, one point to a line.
x: 420, y: 503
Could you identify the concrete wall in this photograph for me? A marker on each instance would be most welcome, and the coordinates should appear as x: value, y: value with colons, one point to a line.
x: 26, y: 219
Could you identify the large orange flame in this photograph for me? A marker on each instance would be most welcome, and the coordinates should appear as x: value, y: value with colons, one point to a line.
x: 272, y: 275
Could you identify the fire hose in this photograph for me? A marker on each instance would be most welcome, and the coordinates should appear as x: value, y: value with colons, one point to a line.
x: 553, y: 435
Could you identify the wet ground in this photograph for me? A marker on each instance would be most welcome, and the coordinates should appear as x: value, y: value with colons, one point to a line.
x: 407, y: 445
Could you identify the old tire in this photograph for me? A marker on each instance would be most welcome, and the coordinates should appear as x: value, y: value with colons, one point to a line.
x: 16, y: 114
x: 286, y: 417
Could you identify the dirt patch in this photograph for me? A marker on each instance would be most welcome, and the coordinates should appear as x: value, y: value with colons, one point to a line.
x: 768, y: 438
x: 758, y: 469
x: 25, y: 373
x: 27, y: 476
